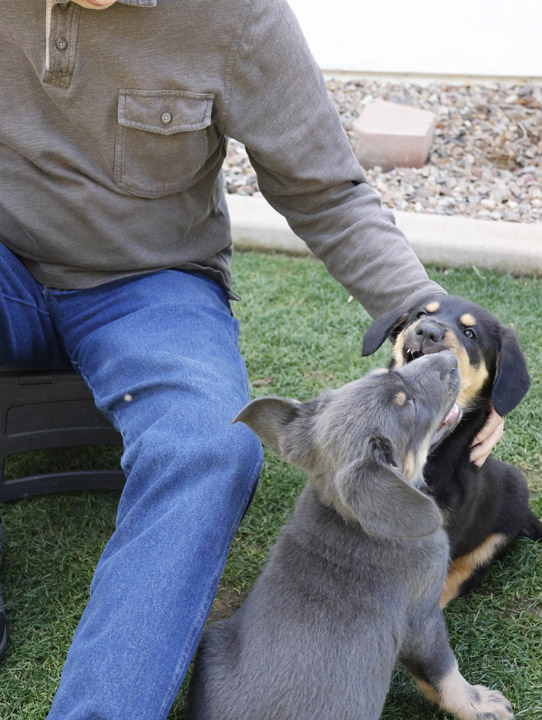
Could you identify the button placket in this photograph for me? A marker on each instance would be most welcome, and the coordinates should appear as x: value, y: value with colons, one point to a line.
x: 62, y: 44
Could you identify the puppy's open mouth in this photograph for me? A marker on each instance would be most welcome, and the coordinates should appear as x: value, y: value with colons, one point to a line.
x: 410, y: 354
x: 450, y: 422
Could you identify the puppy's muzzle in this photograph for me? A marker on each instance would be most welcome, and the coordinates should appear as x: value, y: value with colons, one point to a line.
x: 426, y: 338
x: 449, y: 374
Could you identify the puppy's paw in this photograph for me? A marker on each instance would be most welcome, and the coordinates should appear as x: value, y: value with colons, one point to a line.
x: 485, y: 704
x: 467, y: 702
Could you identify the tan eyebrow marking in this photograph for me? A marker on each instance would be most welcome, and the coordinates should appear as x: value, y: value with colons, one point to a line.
x: 400, y: 399
x: 433, y: 306
x: 468, y: 319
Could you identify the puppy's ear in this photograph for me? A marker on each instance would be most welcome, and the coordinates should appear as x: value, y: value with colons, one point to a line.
x: 285, y: 426
x: 512, y: 378
x: 386, y: 326
x: 385, y: 504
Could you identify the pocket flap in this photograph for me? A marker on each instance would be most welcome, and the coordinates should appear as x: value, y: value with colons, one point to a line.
x: 165, y: 111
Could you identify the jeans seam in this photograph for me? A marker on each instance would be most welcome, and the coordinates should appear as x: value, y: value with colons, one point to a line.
x: 109, y: 414
x: 27, y: 304
x: 205, y: 604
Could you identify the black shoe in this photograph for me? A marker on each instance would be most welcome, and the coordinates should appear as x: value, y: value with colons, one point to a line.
x: 3, y: 627
x: 3, y: 635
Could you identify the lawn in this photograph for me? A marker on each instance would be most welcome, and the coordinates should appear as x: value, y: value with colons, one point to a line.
x: 299, y: 334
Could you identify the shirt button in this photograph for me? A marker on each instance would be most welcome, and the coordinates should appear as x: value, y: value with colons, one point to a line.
x: 166, y: 117
x: 61, y: 44
x: 63, y: 6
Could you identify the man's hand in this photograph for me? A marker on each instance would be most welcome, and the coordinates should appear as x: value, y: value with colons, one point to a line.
x: 487, y: 438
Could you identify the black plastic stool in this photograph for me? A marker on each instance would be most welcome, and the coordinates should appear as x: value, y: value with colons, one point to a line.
x: 49, y: 409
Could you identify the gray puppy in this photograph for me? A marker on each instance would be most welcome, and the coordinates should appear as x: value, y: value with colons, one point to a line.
x: 354, y: 580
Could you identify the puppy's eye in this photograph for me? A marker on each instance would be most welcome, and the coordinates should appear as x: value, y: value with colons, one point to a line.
x: 421, y: 314
x: 469, y: 332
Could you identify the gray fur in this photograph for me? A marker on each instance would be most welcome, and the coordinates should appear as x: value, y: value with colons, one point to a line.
x: 354, y: 580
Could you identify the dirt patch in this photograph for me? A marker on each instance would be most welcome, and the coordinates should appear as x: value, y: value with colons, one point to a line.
x: 226, y: 602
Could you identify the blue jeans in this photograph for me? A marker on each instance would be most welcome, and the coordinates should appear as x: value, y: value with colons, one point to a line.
x: 160, y: 354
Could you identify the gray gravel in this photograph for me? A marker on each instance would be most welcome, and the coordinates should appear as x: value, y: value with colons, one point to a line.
x: 485, y: 160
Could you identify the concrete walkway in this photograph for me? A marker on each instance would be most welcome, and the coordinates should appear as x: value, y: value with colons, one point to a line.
x: 449, y: 241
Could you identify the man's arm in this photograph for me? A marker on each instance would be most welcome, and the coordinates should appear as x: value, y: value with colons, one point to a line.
x: 279, y: 108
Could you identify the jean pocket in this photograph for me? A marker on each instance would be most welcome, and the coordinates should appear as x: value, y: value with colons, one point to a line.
x: 162, y: 140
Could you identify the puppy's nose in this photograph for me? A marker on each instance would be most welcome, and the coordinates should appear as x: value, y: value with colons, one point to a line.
x: 449, y: 363
x: 429, y: 330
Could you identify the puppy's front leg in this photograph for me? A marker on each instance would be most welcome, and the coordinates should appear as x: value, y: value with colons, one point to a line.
x: 430, y: 660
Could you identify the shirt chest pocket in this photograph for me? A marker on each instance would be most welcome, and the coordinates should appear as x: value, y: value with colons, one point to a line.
x: 162, y: 140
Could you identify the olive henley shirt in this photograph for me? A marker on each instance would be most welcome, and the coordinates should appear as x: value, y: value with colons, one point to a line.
x: 113, y: 130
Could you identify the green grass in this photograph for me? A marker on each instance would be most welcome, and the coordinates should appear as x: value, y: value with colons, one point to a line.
x: 299, y: 333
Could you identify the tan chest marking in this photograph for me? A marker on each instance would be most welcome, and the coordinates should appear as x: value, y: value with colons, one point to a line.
x: 463, y: 567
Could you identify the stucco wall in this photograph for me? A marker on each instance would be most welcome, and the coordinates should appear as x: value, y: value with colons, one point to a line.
x: 463, y: 37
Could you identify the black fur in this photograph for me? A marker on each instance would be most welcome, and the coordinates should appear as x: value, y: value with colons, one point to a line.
x: 477, y: 503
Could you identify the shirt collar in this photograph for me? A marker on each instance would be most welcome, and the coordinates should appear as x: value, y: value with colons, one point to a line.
x: 49, y: 9
x: 137, y: 3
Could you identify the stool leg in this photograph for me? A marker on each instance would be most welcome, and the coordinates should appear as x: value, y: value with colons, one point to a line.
x: 3, y: 626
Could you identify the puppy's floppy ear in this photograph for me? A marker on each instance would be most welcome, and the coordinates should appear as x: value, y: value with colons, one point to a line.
x: 385, y: 504
x: 512, y: 377
x: 386, y: 326
x: 284, y: 425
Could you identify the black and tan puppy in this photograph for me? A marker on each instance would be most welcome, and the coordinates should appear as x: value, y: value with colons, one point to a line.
x: 485, y: 509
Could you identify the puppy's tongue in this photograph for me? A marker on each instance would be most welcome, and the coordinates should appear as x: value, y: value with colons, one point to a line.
x: 448, y: 424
